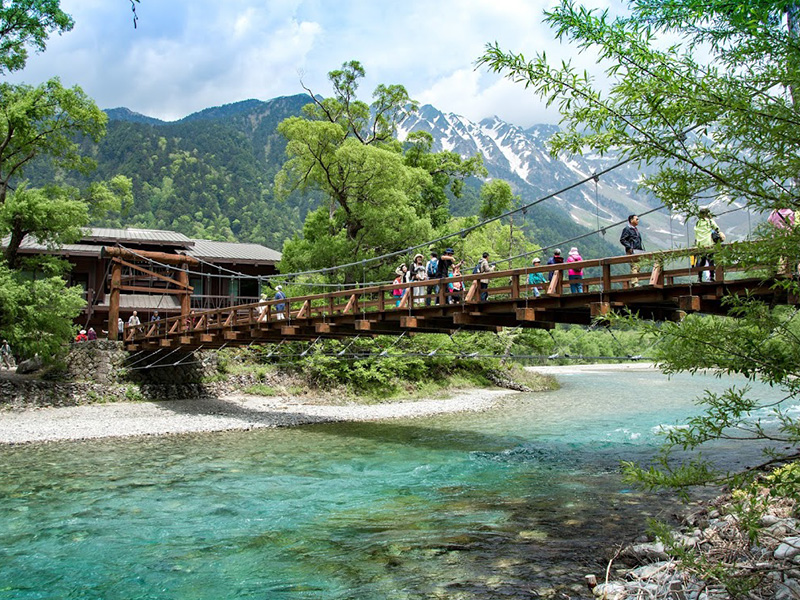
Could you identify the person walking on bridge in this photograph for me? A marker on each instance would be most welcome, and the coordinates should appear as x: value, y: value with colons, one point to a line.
x: 280, y: 308
x: 575, y: 274
x: 705, y: 230
x: 631, y: 240
x: 556, y: 259
x: 485, y: 267
x: 432, y: 272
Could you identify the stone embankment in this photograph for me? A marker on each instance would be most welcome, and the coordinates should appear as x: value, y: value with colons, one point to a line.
x: 101, y: 371
x: 717, y: 538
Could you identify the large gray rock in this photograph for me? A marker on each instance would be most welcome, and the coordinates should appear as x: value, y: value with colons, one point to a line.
x: 788, y: 549
x: 30, y: 366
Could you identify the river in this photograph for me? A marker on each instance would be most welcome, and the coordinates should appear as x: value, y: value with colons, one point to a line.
x: 518, y: 501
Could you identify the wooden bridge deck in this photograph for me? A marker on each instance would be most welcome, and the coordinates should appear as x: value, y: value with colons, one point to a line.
x: 661, y: 294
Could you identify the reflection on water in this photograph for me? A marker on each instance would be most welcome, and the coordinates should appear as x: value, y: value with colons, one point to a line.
x: 522, y: 499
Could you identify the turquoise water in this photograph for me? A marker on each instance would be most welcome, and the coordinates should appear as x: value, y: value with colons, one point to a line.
x: 519, y: 500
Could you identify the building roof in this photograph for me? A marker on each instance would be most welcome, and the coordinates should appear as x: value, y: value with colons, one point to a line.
x: 95, y: 238
x: 136, y: 236
x: 233, y: 252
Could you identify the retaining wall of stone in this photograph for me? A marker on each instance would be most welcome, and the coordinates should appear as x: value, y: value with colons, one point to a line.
x: 101, y: 371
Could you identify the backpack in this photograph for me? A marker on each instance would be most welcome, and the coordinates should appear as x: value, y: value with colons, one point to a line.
x: 477, y: 269
x: 432, y: 268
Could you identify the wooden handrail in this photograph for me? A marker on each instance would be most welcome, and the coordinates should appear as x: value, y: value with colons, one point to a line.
x: 356, y: 300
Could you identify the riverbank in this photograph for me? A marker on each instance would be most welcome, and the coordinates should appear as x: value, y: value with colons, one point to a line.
x: 226, y: 413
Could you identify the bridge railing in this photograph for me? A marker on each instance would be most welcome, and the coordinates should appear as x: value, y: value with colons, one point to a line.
x: 465, y: 289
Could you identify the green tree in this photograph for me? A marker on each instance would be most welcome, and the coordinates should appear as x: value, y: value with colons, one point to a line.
x: 49, y: 121
x: 496, y: 198
x: 346, y: 149
x: 25, y: 23
x: 722, y: 129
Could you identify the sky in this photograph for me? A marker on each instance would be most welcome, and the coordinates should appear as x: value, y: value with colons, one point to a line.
x: 187, y: 55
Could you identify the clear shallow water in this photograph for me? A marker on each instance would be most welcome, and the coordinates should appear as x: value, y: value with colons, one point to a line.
x: 490, y: 505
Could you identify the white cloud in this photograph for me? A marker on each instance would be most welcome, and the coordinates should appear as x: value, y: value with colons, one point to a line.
x: 187, y: 55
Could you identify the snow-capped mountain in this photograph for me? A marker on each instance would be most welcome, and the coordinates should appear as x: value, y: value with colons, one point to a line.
x: 520, y: 156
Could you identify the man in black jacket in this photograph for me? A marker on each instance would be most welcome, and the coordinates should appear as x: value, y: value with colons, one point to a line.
x: 631, y: 240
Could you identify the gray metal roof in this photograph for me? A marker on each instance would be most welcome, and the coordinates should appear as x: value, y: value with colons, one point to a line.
x: 205, y: 249
x: 233, y: 252
x: 28, y: 243
x: 139, y: 236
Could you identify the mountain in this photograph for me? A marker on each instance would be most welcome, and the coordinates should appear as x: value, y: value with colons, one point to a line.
x: 211, y: 175
x: 520, y: 156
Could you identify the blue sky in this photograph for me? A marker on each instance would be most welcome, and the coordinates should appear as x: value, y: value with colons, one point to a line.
x: 186, y: 55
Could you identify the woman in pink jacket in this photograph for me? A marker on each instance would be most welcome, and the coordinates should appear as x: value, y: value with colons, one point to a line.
x: 575, y: 274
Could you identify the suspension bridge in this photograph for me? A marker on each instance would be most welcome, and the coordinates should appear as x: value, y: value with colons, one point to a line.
x: 667, y: 291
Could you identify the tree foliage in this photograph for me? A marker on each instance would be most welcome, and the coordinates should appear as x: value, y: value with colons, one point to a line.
x: 378, y: 198
x: 44, y: 121
x: 715, y: 115
x: 724, y: 126
x: 26, y: 23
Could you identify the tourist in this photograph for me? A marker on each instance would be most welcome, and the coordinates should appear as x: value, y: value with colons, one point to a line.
x: 556, y: 259
x: 631, y: 241
x: 457, y: 286
x: 485, y: 267
x: 398, y: 280
x: 280, y: 308
x: 536, y: 279
x: 262, y: 306
x: 431, y: 269
x: 419, y: 273
x: 91, y: 335
x: 155, y: 317
x: 575, y: 274
x: 5, y: 355
x: 783, y: 220
x: 133, y: 320
x: 81, y: 337
x: 705, y: 230
x: 445, y: 266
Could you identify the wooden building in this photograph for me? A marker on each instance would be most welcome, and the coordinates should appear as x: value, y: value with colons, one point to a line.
x: 222, y: 273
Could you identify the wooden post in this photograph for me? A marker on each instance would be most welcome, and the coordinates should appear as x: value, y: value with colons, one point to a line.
x: 113, y: 304
x: 554, y: 289
x: 186, y: 299
x: 515, y: 286
x: 606, y: 278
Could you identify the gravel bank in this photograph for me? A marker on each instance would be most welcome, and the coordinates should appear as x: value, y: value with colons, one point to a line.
x: 569, y: 369
x: 123, y: 419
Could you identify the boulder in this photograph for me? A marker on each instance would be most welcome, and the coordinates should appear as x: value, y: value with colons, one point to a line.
x: 30, y: 366
x: 788, y: 549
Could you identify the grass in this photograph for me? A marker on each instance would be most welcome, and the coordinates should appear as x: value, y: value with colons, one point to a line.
x: 260, y: 389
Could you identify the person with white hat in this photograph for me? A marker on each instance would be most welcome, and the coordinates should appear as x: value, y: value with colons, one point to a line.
x: 537, y: 279
x: 418, y: 273
x: 575, y: 274
x: 6, y: 356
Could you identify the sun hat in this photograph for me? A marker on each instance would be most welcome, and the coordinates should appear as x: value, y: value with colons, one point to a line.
x: 83, y: 332
x: 416, y: 256
x: 573, y: 251
x: 280, y: 287
x: 537, y: 260
x: 557, y: 252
